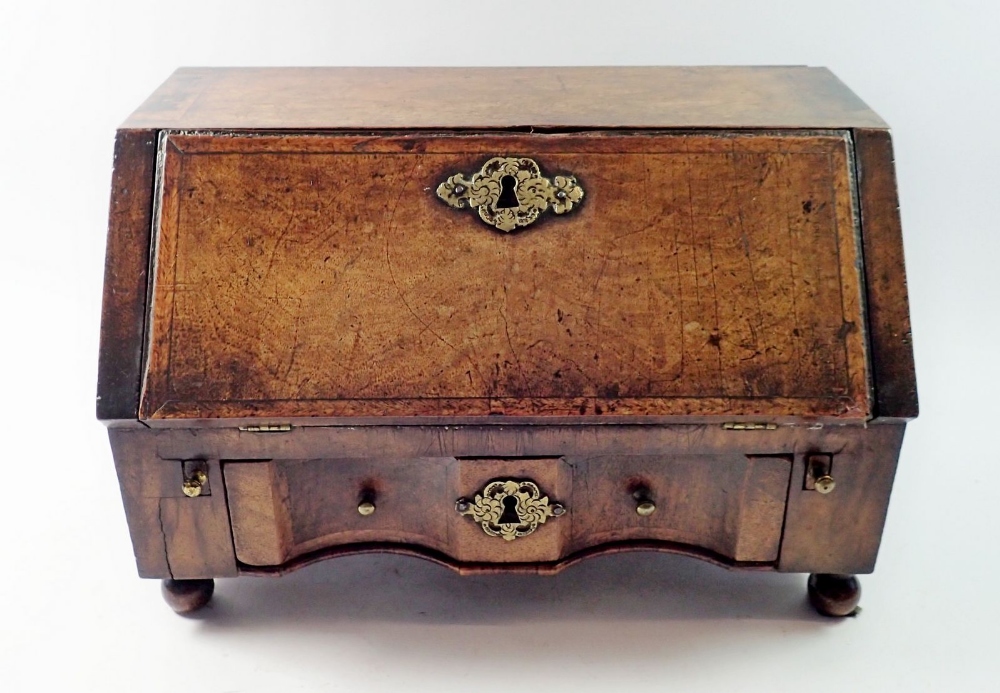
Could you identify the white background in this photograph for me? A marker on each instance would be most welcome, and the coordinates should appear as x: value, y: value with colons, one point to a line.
x: 73, y: 614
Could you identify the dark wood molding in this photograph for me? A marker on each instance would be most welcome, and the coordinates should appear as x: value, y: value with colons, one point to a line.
x: 892, y: 364
x: 535, y: 568
x: 125, y: 274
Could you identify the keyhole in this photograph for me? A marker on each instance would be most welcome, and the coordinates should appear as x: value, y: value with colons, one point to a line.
x: 508, y: 194
x: 509, y: 515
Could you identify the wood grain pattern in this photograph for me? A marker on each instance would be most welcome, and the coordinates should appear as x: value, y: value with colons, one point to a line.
x: 197, y: 535
x: 738, y: 254
x: 728, y: 505
x: 892, y: 364
x: 172, y: 535
x: 259, y: 511
x: 467, y: 541
x: 839, y: 532
x: 534, y: 568
x: 602, y: 97
x: 286, y: 508
x: 125, y: 272
x: 712, y: 274
x: 316, y: 507
x: 132, y: 454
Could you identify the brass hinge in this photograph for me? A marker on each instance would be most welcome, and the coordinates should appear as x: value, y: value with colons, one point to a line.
x: 267, y: 428
x: 740, y: 426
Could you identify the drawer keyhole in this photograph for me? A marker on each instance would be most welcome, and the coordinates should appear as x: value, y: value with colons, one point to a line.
x: 508, y: 193
x: 509, y: 515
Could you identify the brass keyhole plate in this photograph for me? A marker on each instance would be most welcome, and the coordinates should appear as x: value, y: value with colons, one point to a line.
x: 494, y: 507
x: 510, y: 192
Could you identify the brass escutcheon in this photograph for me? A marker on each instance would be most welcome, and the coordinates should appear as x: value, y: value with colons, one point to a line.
x: 510, y: 192
x: 509, y: 509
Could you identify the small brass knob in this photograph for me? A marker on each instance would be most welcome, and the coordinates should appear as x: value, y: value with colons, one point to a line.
x: 366, y: 508
x: 825, y: 484
x: 193, y: 485
x: 645, y: 508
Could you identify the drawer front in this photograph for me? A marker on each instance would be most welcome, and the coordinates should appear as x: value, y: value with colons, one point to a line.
x: 287, y: 508
x: 323, y: 276
x: 731, y: 506
x: 283, y: 509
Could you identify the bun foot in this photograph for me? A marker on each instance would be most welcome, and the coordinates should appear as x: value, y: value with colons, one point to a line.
x: 834, y: 595
x: 187, y: 596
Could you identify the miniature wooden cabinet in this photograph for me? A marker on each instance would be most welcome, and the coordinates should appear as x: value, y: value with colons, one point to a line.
x: 505, y: 319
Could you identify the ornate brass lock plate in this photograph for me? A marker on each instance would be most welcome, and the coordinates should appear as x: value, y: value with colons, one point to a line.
x: 510, y: 509
x: 510, y: 192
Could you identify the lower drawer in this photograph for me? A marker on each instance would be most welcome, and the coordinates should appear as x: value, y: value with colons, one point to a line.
x: 729, y: 505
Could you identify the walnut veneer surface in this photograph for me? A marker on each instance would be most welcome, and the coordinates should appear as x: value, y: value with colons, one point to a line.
x: 503, y: 97
x: 706, y: 274
x: 278, y: 257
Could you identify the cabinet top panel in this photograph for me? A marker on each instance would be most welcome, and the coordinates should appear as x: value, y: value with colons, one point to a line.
x: 507, y: 97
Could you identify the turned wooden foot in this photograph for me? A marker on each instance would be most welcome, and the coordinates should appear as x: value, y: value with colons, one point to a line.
x: 186, y: 596
x: 834, y: 595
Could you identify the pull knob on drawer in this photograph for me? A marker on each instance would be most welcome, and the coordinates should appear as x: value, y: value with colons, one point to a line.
x: 195, y: 479
x: 645, y: 508
x: 644, y: 503
x: 819, y: 473
x: 366, y: 502
x: 194, y: 484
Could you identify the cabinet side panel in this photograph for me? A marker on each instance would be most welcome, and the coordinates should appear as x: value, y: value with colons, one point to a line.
x: 130, y: 448
x: 125, y: 272
x: 885, y: 275
x: 172, y: 535
x: 840, y: 532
